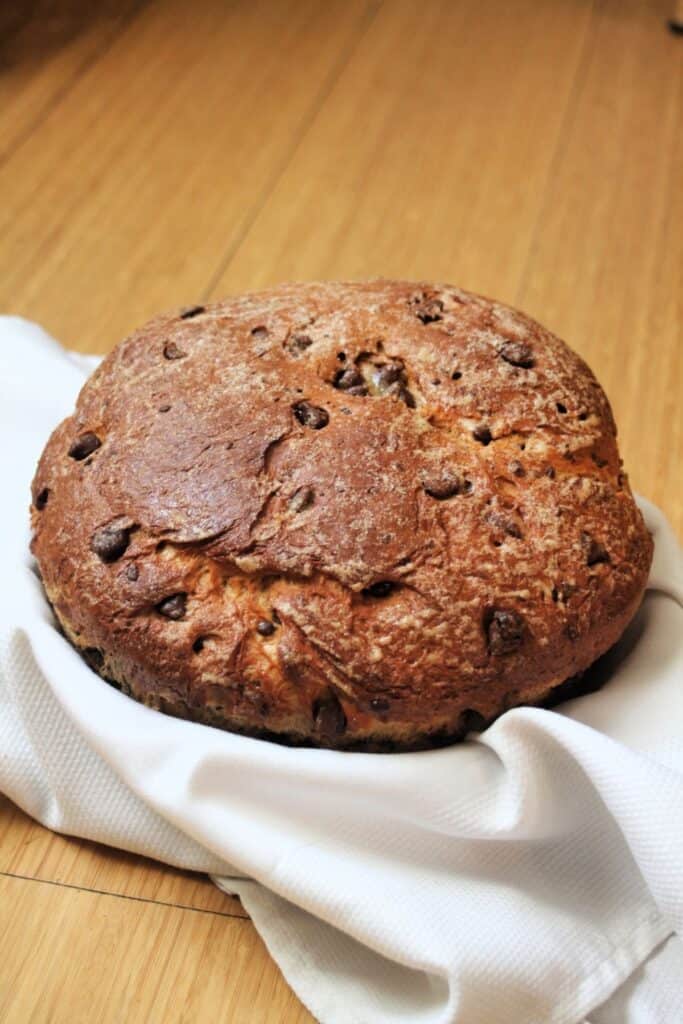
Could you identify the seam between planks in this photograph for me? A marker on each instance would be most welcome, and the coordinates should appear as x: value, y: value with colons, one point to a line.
x: 339, y: 66
x: 567, y: 118
x: 63, y: 91
x: 124, y: 896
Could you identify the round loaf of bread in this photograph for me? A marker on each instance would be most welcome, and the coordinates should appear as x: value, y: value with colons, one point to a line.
x: 366, y: 516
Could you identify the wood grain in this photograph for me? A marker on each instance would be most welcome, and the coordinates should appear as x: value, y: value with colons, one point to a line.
x: 87, y: 958
x: 149, y: 168
x: 153, y: 154
x: 441, y: 174
x: 44, y: 49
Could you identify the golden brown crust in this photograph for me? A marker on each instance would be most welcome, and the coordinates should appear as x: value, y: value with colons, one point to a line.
x: 342, y: 514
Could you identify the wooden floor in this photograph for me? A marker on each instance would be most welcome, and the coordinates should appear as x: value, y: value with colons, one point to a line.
x: 157, y: 153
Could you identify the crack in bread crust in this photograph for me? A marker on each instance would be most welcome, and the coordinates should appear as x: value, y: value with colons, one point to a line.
x: 361, y: 516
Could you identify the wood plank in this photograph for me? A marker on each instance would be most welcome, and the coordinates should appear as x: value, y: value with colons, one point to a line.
x: 29, y: 850
x: 44, y: 48
x: 150, y: 167
x: 431, y: 155
x: 73, y: 956
x: 606, y: 266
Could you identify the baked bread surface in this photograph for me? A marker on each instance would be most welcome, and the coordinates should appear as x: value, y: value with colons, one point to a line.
x: 369, y: 515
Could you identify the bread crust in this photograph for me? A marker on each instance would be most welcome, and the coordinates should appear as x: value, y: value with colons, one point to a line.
x: 354, y: 515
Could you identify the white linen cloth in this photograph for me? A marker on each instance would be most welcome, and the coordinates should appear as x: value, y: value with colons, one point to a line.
x: 531, y: 875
